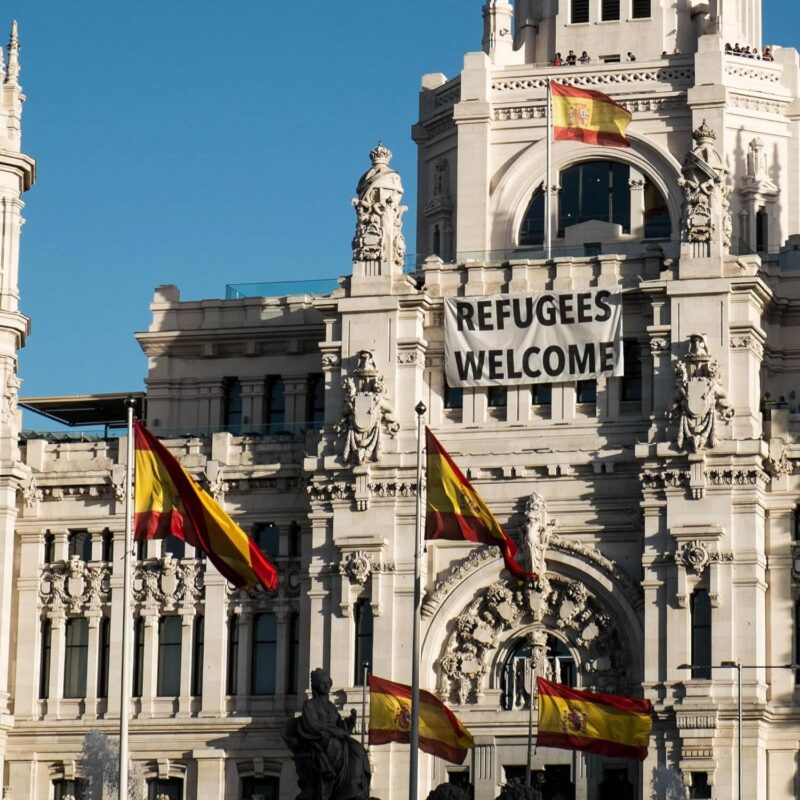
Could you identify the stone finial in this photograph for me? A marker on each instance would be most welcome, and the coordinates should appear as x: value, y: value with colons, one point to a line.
x: 704, y: 134
x: 380, y: 155
x: 12, y: 70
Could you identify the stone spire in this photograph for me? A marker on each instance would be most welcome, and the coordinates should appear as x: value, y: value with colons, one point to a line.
x: 12, y: 71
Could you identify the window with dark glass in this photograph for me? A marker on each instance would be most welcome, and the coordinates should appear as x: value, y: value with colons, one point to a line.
x: 108, y: 547
x: 197, y: 656
x: 266, y: 536
x: 796, y: 528
x: 44, y: 660
x: 49, y: 548
x: 796, y: 642
x: 232, y: 681
x: 632, y: 380
x: 586, y: 392
x: 315, y: 400
x: 103, y: 657
x: 657, y: 222
x: 580, y: 11
x: 641, y: 9
x: 170, y: 630
x: 364, y: 635
x: 274, y: 405
x: 762, y: 231
x: 141, y: 549
x: 138, y: 656
x: 436, y: 248
x: 264, y: 654
x: 700, y: 609
x: 80, y: 545
x: 232, y: 406
x: 174, y: 546
x: 76, y: 657
x: 169, y: 788
x: 460, y: 778
x: 497, y: 396
x: 699, y: 789
x: 561, y: 661
x: 542, y: 394
x: 78, y: 789
x: 595, y: 190
x: 295, y: 540
x: 515, y: 670
x: 453, y: 396
x: 532, y: 231
x: 610, y: 10
x: 265, y: 788
x: 293, y: 654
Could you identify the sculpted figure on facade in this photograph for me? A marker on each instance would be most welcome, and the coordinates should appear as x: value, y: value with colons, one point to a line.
x: 367, y: 411
x: 379, y: 213
x: 13, y: 384
x: 538, y: 532
x: 706, y: 192
x: 330, y: 764
x: 700, y: 398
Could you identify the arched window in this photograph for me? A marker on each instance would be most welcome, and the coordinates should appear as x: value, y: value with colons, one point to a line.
x: 515, y: 679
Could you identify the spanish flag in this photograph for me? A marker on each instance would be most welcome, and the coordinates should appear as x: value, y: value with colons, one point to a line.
x: 168, y: 501
x: 596, y: 723
x: 440, y: 732
x: 456, y: 511
x: 587, y: 116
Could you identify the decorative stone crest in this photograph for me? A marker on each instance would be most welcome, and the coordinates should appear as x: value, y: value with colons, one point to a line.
x: 366, y: 410
x: 694, y: 555
x: 168, y: 583
x: 699, y: 398
x: 706, y: 204
x: 379, y: 214
x: 74, y: 586
x: 357, y: 567
x: 31, y: 494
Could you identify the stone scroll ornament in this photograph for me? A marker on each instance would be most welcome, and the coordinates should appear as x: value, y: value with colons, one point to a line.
x: 379, y: 213
x: 699, y: 400
x: 367, y: 411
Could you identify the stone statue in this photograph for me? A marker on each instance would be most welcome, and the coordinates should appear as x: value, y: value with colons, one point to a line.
x: 379, y: 213
x: 330, y: 764
x: 757, y: 169
x: 538, y: 532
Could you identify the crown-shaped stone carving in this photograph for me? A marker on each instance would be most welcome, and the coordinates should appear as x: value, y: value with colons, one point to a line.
x: 704, y: 134
x: 380, y: 155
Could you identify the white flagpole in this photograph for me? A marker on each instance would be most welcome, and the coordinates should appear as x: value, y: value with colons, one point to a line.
x: 413, y: 776
x: 124, y: 706
x: 548, y: 233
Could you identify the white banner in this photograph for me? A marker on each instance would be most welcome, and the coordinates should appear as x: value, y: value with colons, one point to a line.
x: 550, y: 337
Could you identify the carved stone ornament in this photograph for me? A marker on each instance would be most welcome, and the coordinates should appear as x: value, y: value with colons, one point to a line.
x: 706, y: 192
x: 357, y: 567
x: 366, y: 411
x: 778, y: 467
x: 31, y: 494
x: 537, y: 535
x: 331, y: 361
x: 696, y: 556
x: 13, y: 384
x: 74, y: 586
x: 168, y: 583
x: 757, y: 178
x: 379, y: 213
x: 699, y: 399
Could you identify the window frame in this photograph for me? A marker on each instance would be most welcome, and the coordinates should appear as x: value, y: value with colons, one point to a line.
x: 701, y: 633
x: 168, y: 673
x: 264, y: 655
x: 573, y: 8
x: 198, y: 655
x: 232, y: 660
x: 649, y: 14
x: 603, y: 4
x: 46, y: 645
x: 76, y: 658
x: 364, y: 638
x: 232, y: 405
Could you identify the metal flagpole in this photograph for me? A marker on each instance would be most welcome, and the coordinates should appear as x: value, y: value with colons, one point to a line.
x: 529, y: 761
x: 548, y: 231
x: 364, y: 676
x: 413, y: 774
x: 124, y: 706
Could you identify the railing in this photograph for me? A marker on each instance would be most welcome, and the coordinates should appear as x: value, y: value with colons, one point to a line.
x: 315, y: 287
x: 73, y: 436
x: 282, y: 429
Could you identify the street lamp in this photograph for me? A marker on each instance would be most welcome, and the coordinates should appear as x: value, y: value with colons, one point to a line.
x: 738, y: 667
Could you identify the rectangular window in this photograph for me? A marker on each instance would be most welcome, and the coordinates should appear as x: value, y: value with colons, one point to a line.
x: 274, y: 405
x: 586, y: 392
x: 141, y: 549
x: 701, y: 635
x: 580, y: 11
x: 266, y: 535
x: 44, y: 662
x: 77, y: 789
x: 76, y: 657
x: 315, y: 400
x: 699, y: 789
x: 233, y: 656
x: 165, y: 789
x: 632, y: 380
x: 796, y: 642
x: 138, y: 656
x: 232, y: 406
x: 610, y: 10
x: 542, y: 394
x: 264, y: 654
x: 265, y: 788
x: 80, y: 545
x: 103, y: 656
x: 108, y: 547
x: 641, y: 9
x: 453, y: 396
x: 170, y: 631
x: 295, y: 540
x: 174, y: 546
x: 293, y: 654
x: 49, y: 548
x: 497, y: 396
x: 364, y: 636
x: 197, y: 656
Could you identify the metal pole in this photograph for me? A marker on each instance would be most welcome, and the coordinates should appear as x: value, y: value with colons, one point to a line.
x: 125, y: 689
x: 413, y: 776
x: 548, y: 230
x: 739, y: 676
x: 529, y: 761
x: 365, y: 673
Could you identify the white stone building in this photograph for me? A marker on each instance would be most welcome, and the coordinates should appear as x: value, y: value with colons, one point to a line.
x: 666, y: 500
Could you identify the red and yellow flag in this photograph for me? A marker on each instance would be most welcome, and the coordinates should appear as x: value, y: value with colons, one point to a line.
x: 587, y: 116
x: 440, y: 732
x: 168, y: 501
x: 596, y: 723
x: 456, y: 511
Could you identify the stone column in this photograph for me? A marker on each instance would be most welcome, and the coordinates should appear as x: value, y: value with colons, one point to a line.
x: 215, y: 646
x: 187, y: 661
x: 28, y: 647
x: 283, y: 633
x: 57, y: 650
x: 149, y: 661
x: 242, y: 702
x: 295, y: 389
x: 93, y: 617
x: 210, y: 774
x: 636, y: 183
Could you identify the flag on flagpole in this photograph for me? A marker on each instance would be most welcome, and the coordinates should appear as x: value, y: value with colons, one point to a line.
x: 584, y: 115
x: 167, y: 500
x: 605, y: 724
x: 456, y: 511
x: 440, y: 731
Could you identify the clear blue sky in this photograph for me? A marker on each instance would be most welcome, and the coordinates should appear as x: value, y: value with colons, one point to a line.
x: 201, y: 142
